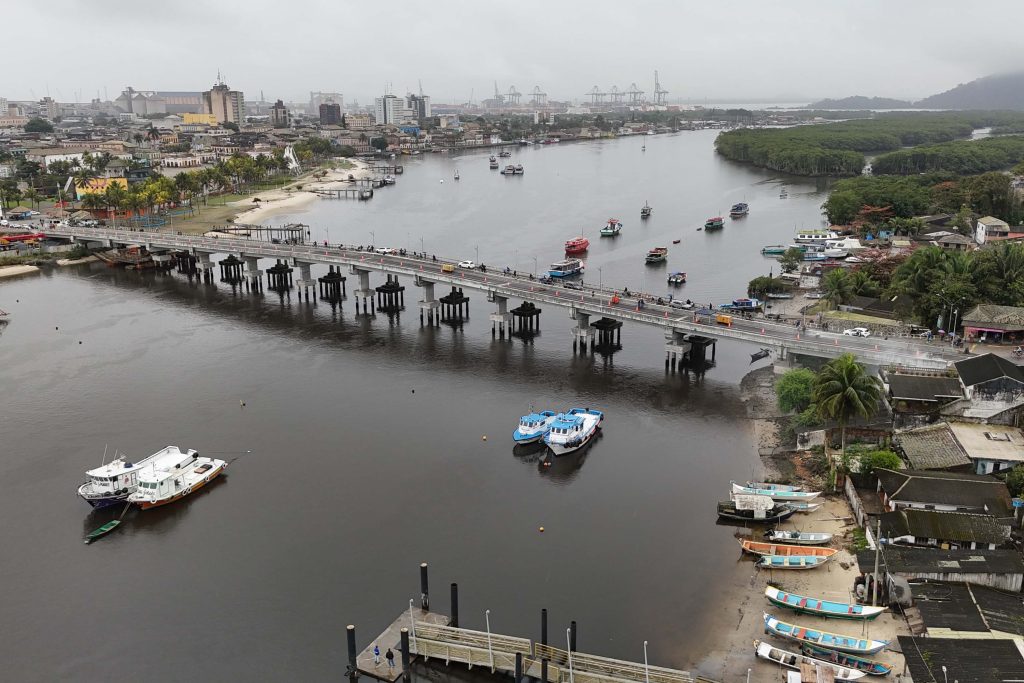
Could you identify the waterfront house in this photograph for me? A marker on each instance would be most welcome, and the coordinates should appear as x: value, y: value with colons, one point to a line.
x: 991, y: 322
x: 919, y: 396
x: 1001, y: 569
x: 968, y: 660
x: 943, y: 491
x: 946, y: 530
x: 933, y: 447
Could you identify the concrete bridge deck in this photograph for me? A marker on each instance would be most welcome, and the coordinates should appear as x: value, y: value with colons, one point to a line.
x: 580, y: 304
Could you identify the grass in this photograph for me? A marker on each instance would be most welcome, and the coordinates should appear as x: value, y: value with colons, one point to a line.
x: 860, y: 540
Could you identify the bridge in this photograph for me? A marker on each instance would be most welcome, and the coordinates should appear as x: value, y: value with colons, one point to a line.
x: 686, y: 331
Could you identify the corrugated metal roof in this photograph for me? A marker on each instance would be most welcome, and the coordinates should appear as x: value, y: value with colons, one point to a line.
x: 959, y: 527
x: 965, y: 661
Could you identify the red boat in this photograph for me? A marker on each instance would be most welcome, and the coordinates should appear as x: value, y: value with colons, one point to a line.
x: 577, y: 245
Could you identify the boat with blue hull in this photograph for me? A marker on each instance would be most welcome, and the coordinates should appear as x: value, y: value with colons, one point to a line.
x: 112, y: 483
x: 801, y: 604
x: 830, y: 641
x: 573, y: 430
x: 776, y: 494
x: 862, y: 664
x: 566, y: 268
x: 791, y: 561
x: 533, y: 427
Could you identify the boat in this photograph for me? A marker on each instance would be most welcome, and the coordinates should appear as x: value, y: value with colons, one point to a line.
x: 804, y: 506
x: 855, y: 259
x: 778, y: 295
x: 744, y: 304
x: 802, y: 604
x: 389, y: 179
x: 843, y: 659
x: 774, y: 250
x: 777, y: 550
x: 677, y: 278
x: 676, y: 241
x: 799, y: 537
x: 714, y: 223
x: 508, y: 170
x: 657, y: 255
x: 783, y: 193
x: 493, y: 162
x: 573, y: 430
x: 775, y: 494
x: 760, y: 509
x: 612, y: 228
x: 739, y: 210
x: 533, y: 427
x: 519, y: 169
x: 456, y: 174
x: 504, y: 154
x: 794, y: 661
x: 172, y: 477
x: 831, y: 641
x: 102, y: 531
x: 111, y: 484
x: 768, y: 486
x: 566, y: 268
x: 645, y: 210
x: 577, y: 245
x: 790, y: 561
x: 815, y: 236
x: 131, y: 257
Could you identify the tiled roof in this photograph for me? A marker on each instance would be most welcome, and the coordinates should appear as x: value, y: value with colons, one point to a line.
x: 959, y: 527
x: 919, y: 388
x: 931, y: 448
x: 987, y: 314
x: 898, y: 559
x: 946, y: 488
x: 987, y: 367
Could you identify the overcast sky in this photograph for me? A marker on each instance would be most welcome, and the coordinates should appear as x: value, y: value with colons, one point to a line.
x: 791, y: 50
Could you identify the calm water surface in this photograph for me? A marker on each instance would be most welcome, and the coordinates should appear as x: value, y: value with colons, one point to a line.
x: 359, y: 452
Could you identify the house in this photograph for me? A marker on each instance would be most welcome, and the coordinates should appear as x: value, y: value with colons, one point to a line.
x: 991, y: 376
x: 943, y: 491
x: 921, y: 394
x: 955, y: 243
x: 963, y: 660
x: 1000, y: 569
x: 964, y: 610
x: 991, y: 322
x: 989, y: 227
x: 991, y: 447
x: 933, y: 447
x: 947, y: 530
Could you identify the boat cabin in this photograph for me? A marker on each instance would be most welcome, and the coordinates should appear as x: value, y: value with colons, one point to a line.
x: 166, y: 475
x: 114, y: 476
x: 532, y: 422
x: 567, y: 425
x: 812, y: 236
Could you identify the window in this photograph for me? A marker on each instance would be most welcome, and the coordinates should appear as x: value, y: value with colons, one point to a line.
x: 997, y: 436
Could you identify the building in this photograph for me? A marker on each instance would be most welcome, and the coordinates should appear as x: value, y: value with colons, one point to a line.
x: 963, y: 660
x: 140, y: 103
x: 97, y: 185
x: 225, y: 104
x: 388, y: 110
x: 48, y: 108
x: 990, y: 227
x: 933, y: 447
x: 418, y: 105
x: 279, y: 116
x: 946, y: 530
x: 189, y: 118
x: 912, y: 394
x: 942, y: 491
x: 1001, y: 569
x: 330, y: 114
x: 991, y: 322
x: 964, y: 610
x: 955, y: 243
x: 991, y: 448
x: 991, y: 376
x: 317, y: 99
x: 13, y: 121
x: 3, y: 107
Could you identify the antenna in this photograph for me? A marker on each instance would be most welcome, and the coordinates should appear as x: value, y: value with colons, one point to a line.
x: 421, y: 87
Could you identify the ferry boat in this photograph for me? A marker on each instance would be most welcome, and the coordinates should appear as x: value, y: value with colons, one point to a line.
x: 657, y: 255
x: 533, y: 427
x: 174, y: 476
x: 677, y: 278
x: 113, y: 482
x: 739, y: 210
x: 493, y: 162
x: 815, y: 236
x: 645, y: 210
x: 714, y: 223
x: 573, y: 430
x: 566, y: 268
x: 612, y: 228
x: 577, y: 245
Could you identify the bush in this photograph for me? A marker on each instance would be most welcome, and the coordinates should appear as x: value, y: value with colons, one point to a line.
x: 794, y: 390
x: 869, y: 461
x: 1015, y: 481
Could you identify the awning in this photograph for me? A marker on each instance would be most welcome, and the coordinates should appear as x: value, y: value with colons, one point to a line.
x: 986, y: 329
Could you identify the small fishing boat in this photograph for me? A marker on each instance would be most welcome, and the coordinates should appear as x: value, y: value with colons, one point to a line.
x: 519, y: 169
x: 573, y: 430
x: 676, y: 241
x: 577, y: 245
x: 793, y: 661
x: 739, y: 210
x: 657, y: 255
x: 799, y: 537
x: 774, y: 250
x: 102, y: 531
x: 456, y: 174
x: 612, y: 228
x: 493, y: 162
x: 677, y: 278
x: 508, y: 170
x: 761, y: 509
x: 802, y: 604
x: 714, y: 223
x: 645, y: 211
x: 533, y: 427
x: 172, y: 478
x: 112, y: 483
x: 768, y: 486
x: 775, y: 549
x: 831, y: 641
x: 790, y: 561
x: 504, y: 154
x: 778, y: 295
x: 744, y: 304
x: 804, y: 506
x: 843, y: 659
x: 566, y: 268
x: 777, y: 495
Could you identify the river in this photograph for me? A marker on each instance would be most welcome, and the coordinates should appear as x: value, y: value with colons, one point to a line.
x: 359, y: 452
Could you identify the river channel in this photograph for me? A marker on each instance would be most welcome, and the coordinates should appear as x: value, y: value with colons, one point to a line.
x: 360, y: 451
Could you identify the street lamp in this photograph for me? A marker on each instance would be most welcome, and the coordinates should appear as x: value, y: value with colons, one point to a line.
x: 600, y: 285
x: 534, y: 265
x: 568, y: 647
x: 487, y: 618
x: 373, y: 238
x: 477, y: 248
x: 647, y: 672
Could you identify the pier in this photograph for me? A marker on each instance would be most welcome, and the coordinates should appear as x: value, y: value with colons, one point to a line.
x: 361, y: 193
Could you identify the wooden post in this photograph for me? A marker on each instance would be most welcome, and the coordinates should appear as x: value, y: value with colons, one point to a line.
x: 572, y: 635
x: 406, y: 655
x: 351, y: 636
x: 424, y: 592
x: 519, y: 667
x: 454, y: 623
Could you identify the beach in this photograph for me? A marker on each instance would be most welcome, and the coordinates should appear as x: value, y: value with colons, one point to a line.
x: 12, y: 271
x: 283, y: 200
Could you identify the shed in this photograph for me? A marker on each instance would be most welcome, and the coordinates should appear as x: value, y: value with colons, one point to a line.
x: 1001, y: 569
x: 965, y: 661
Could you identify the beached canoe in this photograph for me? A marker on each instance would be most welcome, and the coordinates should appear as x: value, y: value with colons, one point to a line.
x: 799, y: 537
x: 102, y: 531
x: 868, y: 666
x: 762, y: 548
x: 803, y: 506
x: 790, y: 561
x: 831, y: 641
x: 768, y: 486
x: 802, y: 604
x: 776, y: 494
x: 793, y: 661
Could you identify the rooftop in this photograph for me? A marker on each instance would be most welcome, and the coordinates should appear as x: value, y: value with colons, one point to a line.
x: 946, y: 488
x: 955, y: 239
x: 898, y: 559
x: 931, y: 448
x: 994, y: 442
x: 988, y: 367
x: 960, y: 527
x: 924, y: 388
x: 985, y: 314
x: 966, y: 661
x: 967, y: 607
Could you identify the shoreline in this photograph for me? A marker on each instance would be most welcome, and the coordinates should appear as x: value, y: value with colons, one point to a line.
x: 282, y: 200
x: 14, y: 271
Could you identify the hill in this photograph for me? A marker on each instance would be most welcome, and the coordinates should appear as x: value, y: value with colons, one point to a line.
x: 1005, y: 91
x: 861, y: 102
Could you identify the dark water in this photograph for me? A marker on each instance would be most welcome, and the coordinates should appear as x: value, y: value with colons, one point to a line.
x: 366, y: 440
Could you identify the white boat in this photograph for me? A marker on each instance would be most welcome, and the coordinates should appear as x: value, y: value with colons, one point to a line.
x: 832, y: 252
x: 846, y: 243
x: 803, y: 496
x: 816, y: 236
x: 173, y: 476
x: 566, y: 268
x: 573, y: 430
x: 533, y: 427
x: 804, y: 506
x: 799, y: 537
x: 855, y: 259
x: 612, y: 228
x: 792, y: 660
x: 389, y: 180
x: 112, y: 483
x: 456, y: 174
x: 767, y: 486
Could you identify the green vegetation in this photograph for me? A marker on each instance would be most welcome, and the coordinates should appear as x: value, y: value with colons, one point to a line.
x: 1015, y: 481
x: 762, y: 285
x: 869, y: 461
x: 795, y: 390
x: 962, y: 157
x: 791, y: 259
x: 38, y: 125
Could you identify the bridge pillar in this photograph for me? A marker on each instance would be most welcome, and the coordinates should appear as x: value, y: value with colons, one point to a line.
x: 204, y: 265
x: 502, y: 318
x: 253, y: 274
x: 365, y: 291
x: 428, y: 304
x: 305, y: 280
x: 583, y: 333
x: 677, y: 349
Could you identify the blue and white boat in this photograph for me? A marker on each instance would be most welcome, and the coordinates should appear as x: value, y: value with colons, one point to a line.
x: 831, y: 641
x: 573, y: 430
x: 566, y: 268
x: 533, y: 427
x: 776, y: 494
x: 112, y: 483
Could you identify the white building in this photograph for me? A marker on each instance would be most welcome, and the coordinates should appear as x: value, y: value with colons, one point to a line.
x: 389, y: 110
x: 990, y: 226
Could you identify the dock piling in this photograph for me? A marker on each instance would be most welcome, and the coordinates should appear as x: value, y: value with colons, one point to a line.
x: 544, y: 640
x: 350, y: 632
x: 455, y: 606
x: 424, y: 591
x: 572, y: 636
x: 406, y: 655
x: 519, y: 667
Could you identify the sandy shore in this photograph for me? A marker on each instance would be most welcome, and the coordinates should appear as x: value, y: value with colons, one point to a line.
x: 276, y: 202
x: 12, y: 271
x: 76, y: 261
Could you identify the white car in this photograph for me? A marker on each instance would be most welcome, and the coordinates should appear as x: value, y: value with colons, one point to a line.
x: 384, y: 250
x: 4, y: 222
x: 857, y: 332
x: 466, y: 264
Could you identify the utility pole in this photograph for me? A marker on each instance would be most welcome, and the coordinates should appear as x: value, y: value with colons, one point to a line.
x: 878, y: 551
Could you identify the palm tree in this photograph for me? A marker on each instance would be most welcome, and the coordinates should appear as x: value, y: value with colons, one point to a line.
x: 843, y: 390
x: 32, y: 196
x: 837, y: 287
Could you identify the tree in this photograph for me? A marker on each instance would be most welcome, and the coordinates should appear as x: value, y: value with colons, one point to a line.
x: 760, y: 286
x: 380, y: 144
x: 791, y: 259
x: 795, y: 390
x: 862, y: 284
x: 842, y: 391
x: 837, y: 287
x: 32, y: 196
x: 9, y: 192
x: 38, y: 125
x: 1015, y: 481
x: 872, y: 460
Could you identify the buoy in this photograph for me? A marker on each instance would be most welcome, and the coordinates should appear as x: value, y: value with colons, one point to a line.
x: 414, y: 391
x: 484, y: 437
x: 241, y: 403
x: 540, y: 529
x: 79, y: 341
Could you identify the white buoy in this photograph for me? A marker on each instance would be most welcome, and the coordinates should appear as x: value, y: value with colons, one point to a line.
x: 442, y: 180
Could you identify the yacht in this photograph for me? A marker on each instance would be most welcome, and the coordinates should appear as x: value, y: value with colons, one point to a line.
x: 173, y: 476
x: 739, y: 210
x: 573, y: 430
x: 612, y: 228
x: 566, y: 268
x: 112, y: 483
x: 533, y: 427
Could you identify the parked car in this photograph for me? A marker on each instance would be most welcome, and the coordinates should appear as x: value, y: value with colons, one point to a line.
x: 384, y: 250
x: 469, y: 265
x: 571, y: 285
x: 857, y: 332
x: 679, y: 303
x: 814, y: 295
x: 4, y: 222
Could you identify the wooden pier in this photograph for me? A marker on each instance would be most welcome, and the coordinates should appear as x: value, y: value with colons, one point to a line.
x: 346, y: 193
x: 392, y: 638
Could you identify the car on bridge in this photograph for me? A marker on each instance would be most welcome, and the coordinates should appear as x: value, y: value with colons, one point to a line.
x: 384, y: 250
x: 469, y: 265
x: 857, y: 332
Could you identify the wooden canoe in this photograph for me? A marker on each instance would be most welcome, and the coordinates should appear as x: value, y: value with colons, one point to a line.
x: 790, y: 562
x: 793, y: 661
x: 802, y: 604
x: 763, y: 548
x: 799, y: 537
x: 102, y: 531
x: 868, y: 666
x: 830, y: 641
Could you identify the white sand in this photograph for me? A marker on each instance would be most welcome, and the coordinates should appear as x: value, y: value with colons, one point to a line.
x: 11, y: 271
x: 276, y: 202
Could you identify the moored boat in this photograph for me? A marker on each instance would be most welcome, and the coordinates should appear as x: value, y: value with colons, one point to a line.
x: 769, y: 486
x: 760, y: 509
x: 779, y: 550
x: 790, y: 561
x: 844, y: 659
x: 801, y: 604
x: 533, y: 427
x: 493, y: 162
x: 778, y: 295
x: 799, y: 537
x: 612, y: 228
x: 831, y: 641
x: 777, y: 495
x: 774, y: 250
x: 456, y: 174
x: 645, y: 210
x: 677, y: 278
x: 804, y: 506
x: 657, y: 255
x: 171, y: 478
x: 577, y: 245
x: 739, y: 210
x: 714, y: 223
x: 573, y: 430
x: 744, y: 304
x: 816, y: 236
x: 508, y: 170
x: 519, y: 169
x: 504, y: 154
x: 101, y: 531
x: 566, y: 268
x: 793, y: 661
x: 112, y: 483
